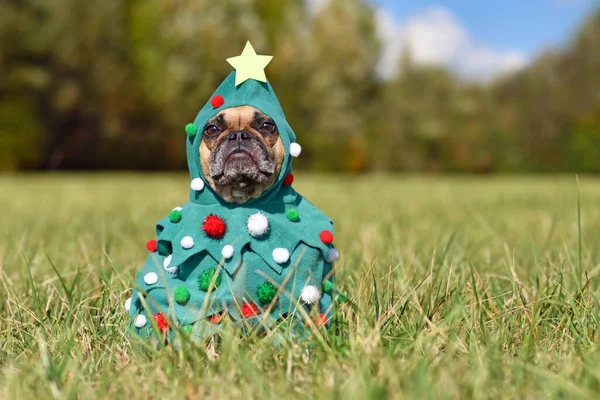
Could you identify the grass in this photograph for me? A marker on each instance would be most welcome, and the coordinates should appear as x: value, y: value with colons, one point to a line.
x: 462, y: 288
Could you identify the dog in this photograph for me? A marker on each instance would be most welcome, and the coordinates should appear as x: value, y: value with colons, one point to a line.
x: 246, y: 247
x: 241, y: 153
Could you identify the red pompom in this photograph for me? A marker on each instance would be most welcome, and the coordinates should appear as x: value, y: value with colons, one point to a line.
x: 161, y: 322
x: 249, y: 310
x: 326, y: 237
x: 321, y: 320
x: 217, y: 101
x: 151, y: 245
x: 215, y: 319
x: 214, y: 226
x: 289, y: 178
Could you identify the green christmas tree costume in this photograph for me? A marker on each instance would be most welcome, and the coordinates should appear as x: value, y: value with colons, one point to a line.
x: 254, y: 263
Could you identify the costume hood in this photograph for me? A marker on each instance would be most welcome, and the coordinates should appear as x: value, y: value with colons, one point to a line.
x: 259, y: 95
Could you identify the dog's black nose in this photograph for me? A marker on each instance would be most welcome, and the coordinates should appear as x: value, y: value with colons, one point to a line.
x: 239, y: 135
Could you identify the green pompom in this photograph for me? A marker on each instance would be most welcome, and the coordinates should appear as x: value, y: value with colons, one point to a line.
x: 205, y: 279
x: 181, y: 294
x: 327, y: 286
x: 191, y: 129
x: 292, y: 214
x: 266, y: 292
x: 175, y: 216
x: 187, y: 329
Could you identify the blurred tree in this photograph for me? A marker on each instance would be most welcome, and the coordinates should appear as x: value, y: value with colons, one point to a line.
x: 340, y: 85
x: 111, y: 84
x: 542, y: 108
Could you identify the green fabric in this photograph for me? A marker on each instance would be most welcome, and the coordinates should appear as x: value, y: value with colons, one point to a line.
x: 251, y: 274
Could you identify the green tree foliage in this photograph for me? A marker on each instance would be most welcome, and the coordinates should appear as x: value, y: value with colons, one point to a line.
x: 111, y: 84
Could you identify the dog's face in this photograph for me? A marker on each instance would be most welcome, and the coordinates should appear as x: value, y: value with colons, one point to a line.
x: 241, y: 153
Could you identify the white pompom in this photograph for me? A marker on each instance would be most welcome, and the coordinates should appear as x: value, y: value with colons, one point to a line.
x: 150, y: 278
x: 310, y: 294
x: 166, y: 265
x: 178, y: 209
x: 257, y: 224
x: 333, y: 255
x: 140, y: 321
x: 227, y: 251
x: 187, y: 242
x: 281, y: 255
x: 197, y: 184
x: 128, y: 304
x: 295, y: 149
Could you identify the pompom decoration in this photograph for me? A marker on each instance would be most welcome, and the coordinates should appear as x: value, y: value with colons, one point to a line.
x: 187, y: 242
x: 161, y: 322
x: 167, y: 265
x: 128, y: 304
x: 215, y: 319
x: 249, y: 310
x: 178, y: 208
x: 140, y: 321
x: 227, y: 251
x: 191, y: 129
x: 151, y: 245
x: 266, y: 292
x: 197, y: 184
x: 295, y: 149
x: 281, y: 255
x: 150, y: 278
x: 214, y: 226
x: 326, y: 237
x: 217, y: 101
x: 288, y: 180
x: 310, y: 294
x: 321, y: 320
x: 292, y: 215
x: 327, y: 286
x: 206, y: 278
x: 175, y: 216
x: 333, y: 255
x: 181, y: 295
x: 257, y: 224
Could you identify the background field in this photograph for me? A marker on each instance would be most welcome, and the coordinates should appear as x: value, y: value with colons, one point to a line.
x: 462, y: 287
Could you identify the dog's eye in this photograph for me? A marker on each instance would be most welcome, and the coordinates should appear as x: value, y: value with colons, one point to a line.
x: 211, y: 130
x: 268, y: 127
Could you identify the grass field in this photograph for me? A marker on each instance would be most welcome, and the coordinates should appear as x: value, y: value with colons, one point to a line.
x: 460, y: 288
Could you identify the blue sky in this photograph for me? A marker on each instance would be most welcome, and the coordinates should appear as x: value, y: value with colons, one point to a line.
x: 524, y: 25
x: 477, y: 38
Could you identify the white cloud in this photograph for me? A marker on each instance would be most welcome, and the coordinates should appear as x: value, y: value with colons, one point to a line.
x: 315, y: 6
x: 436, y: 37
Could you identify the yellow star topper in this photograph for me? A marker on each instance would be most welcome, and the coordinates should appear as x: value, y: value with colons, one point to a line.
x: 249, y: 65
